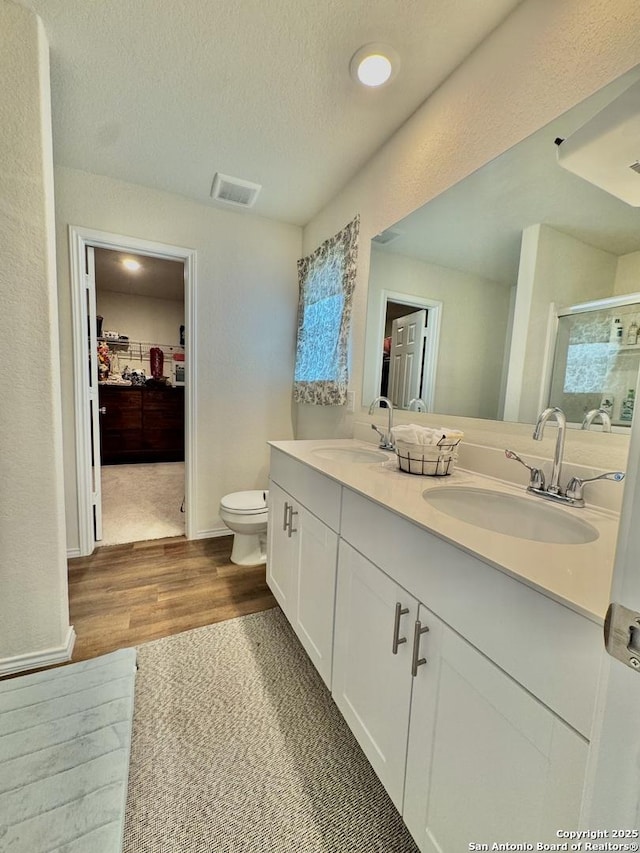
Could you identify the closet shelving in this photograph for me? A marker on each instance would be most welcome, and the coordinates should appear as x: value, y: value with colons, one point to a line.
x: 140, y: 349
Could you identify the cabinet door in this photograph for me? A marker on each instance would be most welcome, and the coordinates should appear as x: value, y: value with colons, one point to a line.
x: 316, y: 560
x: 371, y: 684
x: 281, y: 552
x: 487, y: 762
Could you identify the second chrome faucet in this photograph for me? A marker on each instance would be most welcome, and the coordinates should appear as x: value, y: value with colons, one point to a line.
x: 572, y: 496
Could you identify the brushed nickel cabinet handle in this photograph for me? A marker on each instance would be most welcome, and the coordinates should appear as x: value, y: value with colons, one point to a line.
x: 292, y: 512
x: 400, y: 611
x: 416, y: 661
x: 285, y: 520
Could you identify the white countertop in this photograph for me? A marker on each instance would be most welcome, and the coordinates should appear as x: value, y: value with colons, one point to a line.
x: 578, y: 576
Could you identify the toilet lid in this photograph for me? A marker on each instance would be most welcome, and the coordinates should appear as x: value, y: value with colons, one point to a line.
x: 245, y: 501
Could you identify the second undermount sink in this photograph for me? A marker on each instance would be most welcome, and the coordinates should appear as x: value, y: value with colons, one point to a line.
x: 524, y: 518
x: 350, y: 454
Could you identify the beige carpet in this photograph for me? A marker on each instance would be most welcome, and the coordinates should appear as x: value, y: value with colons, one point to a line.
x: 239, y: 748
x: 141, y: 502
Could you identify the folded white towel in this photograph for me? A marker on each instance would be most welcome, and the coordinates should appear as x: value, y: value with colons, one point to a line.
x: 414, y: 434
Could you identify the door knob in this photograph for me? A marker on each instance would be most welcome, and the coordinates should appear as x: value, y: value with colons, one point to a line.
x: 103, y: 410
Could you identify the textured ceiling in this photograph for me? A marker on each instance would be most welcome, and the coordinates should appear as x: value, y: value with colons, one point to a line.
x: 165, y: 94
x: 157, y: 277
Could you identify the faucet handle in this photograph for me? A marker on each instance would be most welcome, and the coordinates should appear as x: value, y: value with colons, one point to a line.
x: 536, y: 480
x: 574, y: 489
x: 386, y: 442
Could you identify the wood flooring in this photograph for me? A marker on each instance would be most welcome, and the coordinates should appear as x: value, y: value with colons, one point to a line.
x: 123, y: 595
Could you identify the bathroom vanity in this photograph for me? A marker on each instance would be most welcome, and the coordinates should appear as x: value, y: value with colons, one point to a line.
x: 465, y: 661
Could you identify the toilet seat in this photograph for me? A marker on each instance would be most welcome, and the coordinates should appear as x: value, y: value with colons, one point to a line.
x: 245, y: 503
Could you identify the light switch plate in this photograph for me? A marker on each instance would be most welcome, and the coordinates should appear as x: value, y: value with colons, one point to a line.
x: 351, y: 397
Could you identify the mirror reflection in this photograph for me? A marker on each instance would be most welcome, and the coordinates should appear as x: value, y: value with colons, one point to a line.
x: 467, y: 294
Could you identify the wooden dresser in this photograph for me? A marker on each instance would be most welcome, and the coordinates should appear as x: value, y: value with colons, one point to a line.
x: 141, y: 424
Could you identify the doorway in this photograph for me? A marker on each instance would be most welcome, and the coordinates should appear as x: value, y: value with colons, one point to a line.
x: 141, y: 337
x: 410, y: 328
x: 121, y: 411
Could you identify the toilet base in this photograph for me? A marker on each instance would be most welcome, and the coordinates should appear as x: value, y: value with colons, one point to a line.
x: 249, y: 549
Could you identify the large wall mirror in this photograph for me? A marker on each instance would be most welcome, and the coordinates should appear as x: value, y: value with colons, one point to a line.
x: 467, y: 293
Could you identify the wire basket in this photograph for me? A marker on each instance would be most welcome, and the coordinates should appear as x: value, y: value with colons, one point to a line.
x: 428, y: 460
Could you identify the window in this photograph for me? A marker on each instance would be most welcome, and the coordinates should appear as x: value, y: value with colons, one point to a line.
x: 326, y: 279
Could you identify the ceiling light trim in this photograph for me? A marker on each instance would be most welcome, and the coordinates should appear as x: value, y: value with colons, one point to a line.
x: 366, y: 52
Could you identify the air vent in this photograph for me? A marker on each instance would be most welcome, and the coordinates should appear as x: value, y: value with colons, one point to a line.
x: 386, y: 237
x: 635, y: 167
x: 234, y: 191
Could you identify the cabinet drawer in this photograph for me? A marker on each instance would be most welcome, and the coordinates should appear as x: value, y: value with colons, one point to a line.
x: 548, y: 648
x: 166, y: 400
x: 163, y: 439
x: 321, y: 495
x: 120, y: 441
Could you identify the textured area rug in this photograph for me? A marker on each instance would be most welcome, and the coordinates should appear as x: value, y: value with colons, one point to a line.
x: 64, y: 756
x: 239, y: 748
x: 141, y: 502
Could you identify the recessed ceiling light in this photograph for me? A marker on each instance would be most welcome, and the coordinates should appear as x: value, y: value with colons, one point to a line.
x: 374, y: 65
x: 131, y: 265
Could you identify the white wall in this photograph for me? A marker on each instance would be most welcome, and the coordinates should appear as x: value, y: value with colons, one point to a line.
x: 472, y: 332
x: 245, y: 336
x: 546, y: 56
x: 34, y: 617
x: 627, y: 274
x: 554, y: 269
x: 141, y: 318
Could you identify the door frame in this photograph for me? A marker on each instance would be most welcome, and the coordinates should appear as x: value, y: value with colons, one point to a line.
x: 431, y: 345
x: 79, y: 239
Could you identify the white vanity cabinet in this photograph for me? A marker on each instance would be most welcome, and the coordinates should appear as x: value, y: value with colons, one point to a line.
x: 464, y: 752
x: 483, y: 734
x: 371, y: 686
x: 302, y: 556
x: 485, y: 760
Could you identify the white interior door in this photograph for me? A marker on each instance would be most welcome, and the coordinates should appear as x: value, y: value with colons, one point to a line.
x: 407, y: 347
x: 94, y: 402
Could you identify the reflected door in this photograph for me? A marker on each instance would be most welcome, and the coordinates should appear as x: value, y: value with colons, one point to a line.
x: 407, y: 350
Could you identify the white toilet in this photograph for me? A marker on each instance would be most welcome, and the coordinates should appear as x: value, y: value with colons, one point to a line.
x: 246, y: 514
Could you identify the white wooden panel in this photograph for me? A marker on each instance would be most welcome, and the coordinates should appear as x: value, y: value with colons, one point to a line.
x: 281, y: 553
x: 372, y: 686
x: 320, y: 494
x: 407, y: 345
x: 486, y: 762
x: 550, y: 649
x: 317, y: 555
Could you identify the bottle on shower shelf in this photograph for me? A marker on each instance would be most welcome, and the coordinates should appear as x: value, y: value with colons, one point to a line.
x: 615, y: 335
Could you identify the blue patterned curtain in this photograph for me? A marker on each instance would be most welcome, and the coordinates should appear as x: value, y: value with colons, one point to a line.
x: 326, y: 279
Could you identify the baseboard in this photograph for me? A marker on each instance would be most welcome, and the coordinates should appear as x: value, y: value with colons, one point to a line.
x: 210, y: 534
x: 73, y: 552
x: 37, y: 660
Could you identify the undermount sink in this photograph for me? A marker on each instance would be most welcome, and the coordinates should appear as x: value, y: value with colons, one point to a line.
x: 350, y: 454
x: 524, y: 518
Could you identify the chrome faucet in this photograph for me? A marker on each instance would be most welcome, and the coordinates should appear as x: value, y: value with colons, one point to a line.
x: 554, y: 486
x: 386, y: 440
x: 591, y: 415
x: 420, y: 404
x: 573, y: 494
